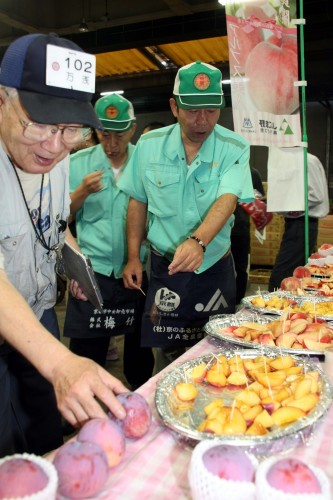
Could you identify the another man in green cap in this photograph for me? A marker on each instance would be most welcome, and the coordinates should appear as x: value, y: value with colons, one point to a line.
x: 185, y: 180
x: 100, y: 210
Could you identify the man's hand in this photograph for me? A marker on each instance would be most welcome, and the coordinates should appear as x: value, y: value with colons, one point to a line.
x: 92, y: 183
x: 80, y: 385
x: 132, y: 274
x: 187, y: 258
x: 77, y: 291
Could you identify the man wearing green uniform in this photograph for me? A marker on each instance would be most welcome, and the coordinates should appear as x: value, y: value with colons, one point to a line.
x: 100, y: 210
x: 186, y: 179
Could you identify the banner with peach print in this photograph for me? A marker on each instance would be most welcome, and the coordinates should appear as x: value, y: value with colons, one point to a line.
x: 263, y: 68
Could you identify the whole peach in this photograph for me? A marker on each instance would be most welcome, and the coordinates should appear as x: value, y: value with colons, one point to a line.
x: 138, y: 415
x: 20, y: 477
x: 108, y: 435
x: 82, y: 469
x: 271, y: 70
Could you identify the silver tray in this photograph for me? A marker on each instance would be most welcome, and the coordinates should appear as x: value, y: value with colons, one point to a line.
x: 246, y: 301
x: 221, y: 321
x: 184, y: 423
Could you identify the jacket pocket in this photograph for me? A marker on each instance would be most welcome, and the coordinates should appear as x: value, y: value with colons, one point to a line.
x: 162, y: 189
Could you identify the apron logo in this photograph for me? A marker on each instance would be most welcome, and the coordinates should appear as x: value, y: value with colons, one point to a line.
x: 214, y: 303
x: 166, y: 300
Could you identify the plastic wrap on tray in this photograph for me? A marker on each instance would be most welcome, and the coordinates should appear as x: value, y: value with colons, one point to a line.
x: 185, y: 421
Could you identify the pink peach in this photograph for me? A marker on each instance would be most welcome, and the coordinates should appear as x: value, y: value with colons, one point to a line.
x: 271, y: 69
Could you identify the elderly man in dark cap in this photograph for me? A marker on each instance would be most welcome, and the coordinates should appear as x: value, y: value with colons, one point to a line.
x: 46, y: 85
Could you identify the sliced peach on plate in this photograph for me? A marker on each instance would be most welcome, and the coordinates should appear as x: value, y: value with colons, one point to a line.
x: 248, y: 397
x: 306, y: 403
x: 282, y: 362
x: 286, y: 340
x: 303, y: 387
x: 271, y: 379
x: 270, y: 404
x: 252, y: 413
x: 286, y: 415
x: 240, y: 332
x: 279, y: 327
x: 237, y: 378
x: 255, y: 386
x: 298, y: 326
x: 215, y: 378
x: 265, y: 419
x: 293, y: 370
x: 217, y: 403
x: 315, y: 346
x: 214, y: 426
x: 266, y: 339
x: 186, y: 391
x: 256, y: 429
x: 234, y: 423
x: 282, y: 394
x: 198, y: 373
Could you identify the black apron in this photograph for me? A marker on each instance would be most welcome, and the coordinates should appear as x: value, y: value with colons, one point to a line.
x: 122, y: 311
x: 177, y: 307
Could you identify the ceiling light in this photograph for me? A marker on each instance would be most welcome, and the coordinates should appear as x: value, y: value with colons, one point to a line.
x: 222, y: 2
x: 83, y: 26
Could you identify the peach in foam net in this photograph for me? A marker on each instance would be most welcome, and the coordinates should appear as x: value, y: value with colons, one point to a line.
x: 20, y: 477
x: 229, y: 463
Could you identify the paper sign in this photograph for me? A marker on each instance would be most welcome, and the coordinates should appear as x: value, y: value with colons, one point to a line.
x: 70, y: 69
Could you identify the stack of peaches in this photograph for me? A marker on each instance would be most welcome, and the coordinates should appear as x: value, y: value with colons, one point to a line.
x: 267, y: 393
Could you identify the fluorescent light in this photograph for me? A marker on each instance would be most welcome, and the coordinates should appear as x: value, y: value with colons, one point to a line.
x: 222, y: 2
x: 226, y: 81
x: 112, y: 92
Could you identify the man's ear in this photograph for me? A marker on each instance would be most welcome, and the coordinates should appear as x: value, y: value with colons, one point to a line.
x: 174, y: 107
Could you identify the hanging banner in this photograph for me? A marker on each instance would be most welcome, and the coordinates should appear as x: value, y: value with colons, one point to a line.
x: 263, y: 58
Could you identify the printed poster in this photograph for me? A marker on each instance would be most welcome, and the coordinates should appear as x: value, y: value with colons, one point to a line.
x: 263, y: 57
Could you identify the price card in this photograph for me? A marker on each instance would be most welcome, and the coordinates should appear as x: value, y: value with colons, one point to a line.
x: 70, y: 69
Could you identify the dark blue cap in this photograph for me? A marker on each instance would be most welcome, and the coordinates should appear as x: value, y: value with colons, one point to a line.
x: 24, y: 67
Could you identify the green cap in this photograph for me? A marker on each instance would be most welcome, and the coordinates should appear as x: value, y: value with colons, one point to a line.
x: 115, y: 112
x: 199, y: 85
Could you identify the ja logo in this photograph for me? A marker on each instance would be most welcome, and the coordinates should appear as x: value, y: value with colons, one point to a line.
x: 213, y: 304
x: 166, y: 300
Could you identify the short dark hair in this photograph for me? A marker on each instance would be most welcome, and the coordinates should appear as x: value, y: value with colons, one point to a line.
x: 153, y: 126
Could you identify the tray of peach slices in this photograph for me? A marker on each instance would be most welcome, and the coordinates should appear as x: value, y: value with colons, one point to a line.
x: 293, y: 332
x: 279, y: 302
x: 248, y: 397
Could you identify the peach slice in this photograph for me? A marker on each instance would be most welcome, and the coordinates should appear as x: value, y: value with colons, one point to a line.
x: 306, y: 403
x: 215, y: 378
x: 237, y: 378
x: 298, y: 325
x: 261, y: 327
x: 215, y: 426
x: 235, y: 423
x: 256, y: 387
x: 198, y: 373
x: 270, y: 404
x: 265, y: 419
x: 186, y: 391
x: 286, y: 415
x: 315, y: 346
x: 286, y: 340
x: 217, y: 403
x: 284, y: 393
x: 280, y: 327
x: 256, y: 429
x: 303, y: 387
x: 271, y: 379
x: 248, y: 397
x: 282, y: 362
x: 293, y: 370
x: 266, y: 338
x: 252, y: 413
x: 240, y: 332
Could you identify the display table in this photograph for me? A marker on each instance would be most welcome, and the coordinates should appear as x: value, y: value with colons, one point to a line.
x: 155, y: 466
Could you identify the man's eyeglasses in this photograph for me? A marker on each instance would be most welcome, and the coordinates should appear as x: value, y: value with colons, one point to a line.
x: 39, y: 132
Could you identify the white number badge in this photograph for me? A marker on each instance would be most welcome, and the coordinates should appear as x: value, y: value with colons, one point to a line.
x: 70, y: 69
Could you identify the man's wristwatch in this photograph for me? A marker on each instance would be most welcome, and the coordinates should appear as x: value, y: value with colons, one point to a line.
x: 201, y: 243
